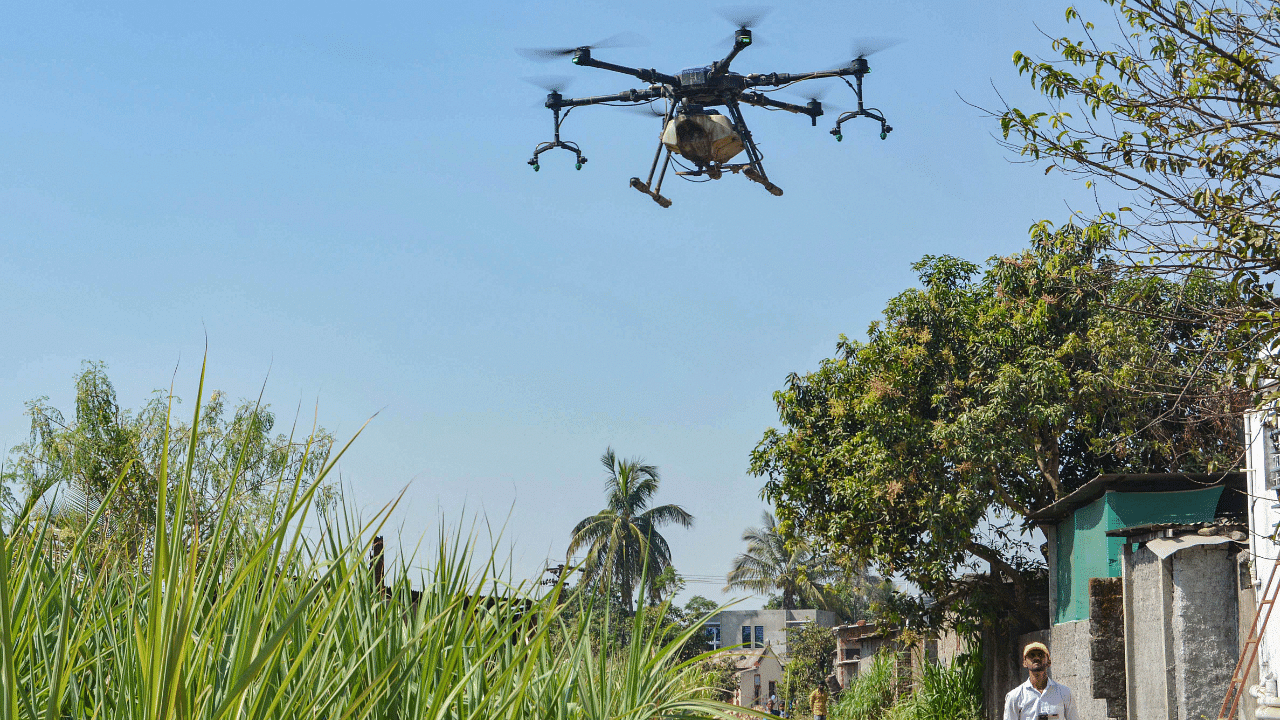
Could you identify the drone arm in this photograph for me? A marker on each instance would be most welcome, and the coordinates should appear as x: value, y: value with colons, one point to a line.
x: 650, y: 76
x: 741, y: 40
x: 776, y: 79
x: 762, y: 100
x: 628, y: 96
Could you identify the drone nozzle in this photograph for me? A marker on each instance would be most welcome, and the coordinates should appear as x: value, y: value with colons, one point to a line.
x: 742, y: 37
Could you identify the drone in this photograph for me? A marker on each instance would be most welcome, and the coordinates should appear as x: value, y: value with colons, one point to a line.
x: 704, y: 139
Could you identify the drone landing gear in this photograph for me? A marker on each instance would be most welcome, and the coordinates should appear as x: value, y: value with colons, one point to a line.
x: 644, y: 186
x: 753, y: 175
x: 715, y: 172
x: 754, y: 168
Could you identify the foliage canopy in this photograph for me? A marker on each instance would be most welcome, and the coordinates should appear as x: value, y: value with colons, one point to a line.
x: 1176, y: 106
x: 984, y: 395
x: 102, y: 441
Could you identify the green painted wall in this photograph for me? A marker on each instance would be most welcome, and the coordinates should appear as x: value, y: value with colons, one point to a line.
x: 1084, y: 551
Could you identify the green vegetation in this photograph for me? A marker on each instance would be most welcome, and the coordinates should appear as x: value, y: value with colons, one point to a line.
x: 872, y: 693
x: 810, y: 649
x: 269, y: 621
x: 623, y: 545
x: 102, y: 442
x: 982, y: 396
x: 1173, y: 104
x: 774, y: 561
x: 944, y: 692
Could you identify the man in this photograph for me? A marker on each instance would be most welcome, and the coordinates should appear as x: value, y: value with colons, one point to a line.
x: 1039, y: 698
x: 818, y: 702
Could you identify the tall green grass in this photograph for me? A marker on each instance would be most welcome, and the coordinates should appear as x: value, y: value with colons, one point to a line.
x: 942, y: 692
x: 242, y: 622
x: 872, y: 693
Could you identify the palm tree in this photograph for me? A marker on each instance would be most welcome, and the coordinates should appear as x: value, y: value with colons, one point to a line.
x: 776, y: 562
x: 622, y: 541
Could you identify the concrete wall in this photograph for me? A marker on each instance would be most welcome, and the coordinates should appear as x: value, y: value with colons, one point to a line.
x: 775, y: 623
x: 1071, y: 664
x: 1149, y: 650
x: 1182, y: 629
x: 1205, y: 628
x: 1106, y: 643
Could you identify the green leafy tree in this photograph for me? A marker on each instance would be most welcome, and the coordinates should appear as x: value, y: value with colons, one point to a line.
x: 102, y: 441
x: 983, y: 396
x: 1178, y: 111
x: 810, y: 650
x: 774, y: 561
x: 622, y: 543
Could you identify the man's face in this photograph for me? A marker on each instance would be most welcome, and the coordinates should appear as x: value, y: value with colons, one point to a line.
x: 1036, y: 661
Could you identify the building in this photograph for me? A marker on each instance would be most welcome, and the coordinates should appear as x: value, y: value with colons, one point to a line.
x: 755, y: 629
x: 759, y: 672
x: 855, y: 644
x: 1144, y: 598
x: 1262, y: 439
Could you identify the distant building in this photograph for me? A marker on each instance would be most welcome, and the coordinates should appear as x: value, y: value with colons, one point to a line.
x: 759, y: 674
x: 754, y: 629
x: 857, y: 643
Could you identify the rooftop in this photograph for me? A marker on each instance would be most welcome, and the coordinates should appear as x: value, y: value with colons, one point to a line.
x: 1134, y: 482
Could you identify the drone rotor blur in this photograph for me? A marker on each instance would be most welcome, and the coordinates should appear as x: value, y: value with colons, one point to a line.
x: 621, y: 40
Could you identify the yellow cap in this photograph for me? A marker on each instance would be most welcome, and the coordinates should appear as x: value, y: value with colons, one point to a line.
x: 1035, y: 646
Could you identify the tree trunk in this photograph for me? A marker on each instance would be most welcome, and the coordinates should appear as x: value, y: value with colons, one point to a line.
x: 1047, y: 460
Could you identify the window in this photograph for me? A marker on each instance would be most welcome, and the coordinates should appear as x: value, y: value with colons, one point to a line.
x: 773, y: 688
x: 759, y: 636
x: 851, y: 653
x: 746, y: 636
x: 713, y: 635
x: 757, y: 695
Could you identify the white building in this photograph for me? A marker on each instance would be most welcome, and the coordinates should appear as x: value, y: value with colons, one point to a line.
x: 758, y: 628
x: 1262, y: 437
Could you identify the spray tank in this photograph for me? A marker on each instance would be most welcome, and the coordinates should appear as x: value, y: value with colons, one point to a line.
x: 704, y: 137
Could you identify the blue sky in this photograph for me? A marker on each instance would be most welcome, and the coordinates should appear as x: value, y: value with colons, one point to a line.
x: 338, y: 195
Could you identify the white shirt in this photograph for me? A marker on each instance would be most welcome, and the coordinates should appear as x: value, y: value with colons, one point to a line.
x: 1026, y: 703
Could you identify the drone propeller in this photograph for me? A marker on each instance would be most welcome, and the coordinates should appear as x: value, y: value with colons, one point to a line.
x: 744, y: 17
x: 550, y: 83
x: 816, y: 95
x: 626, y: 39
x: 861, y: 48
